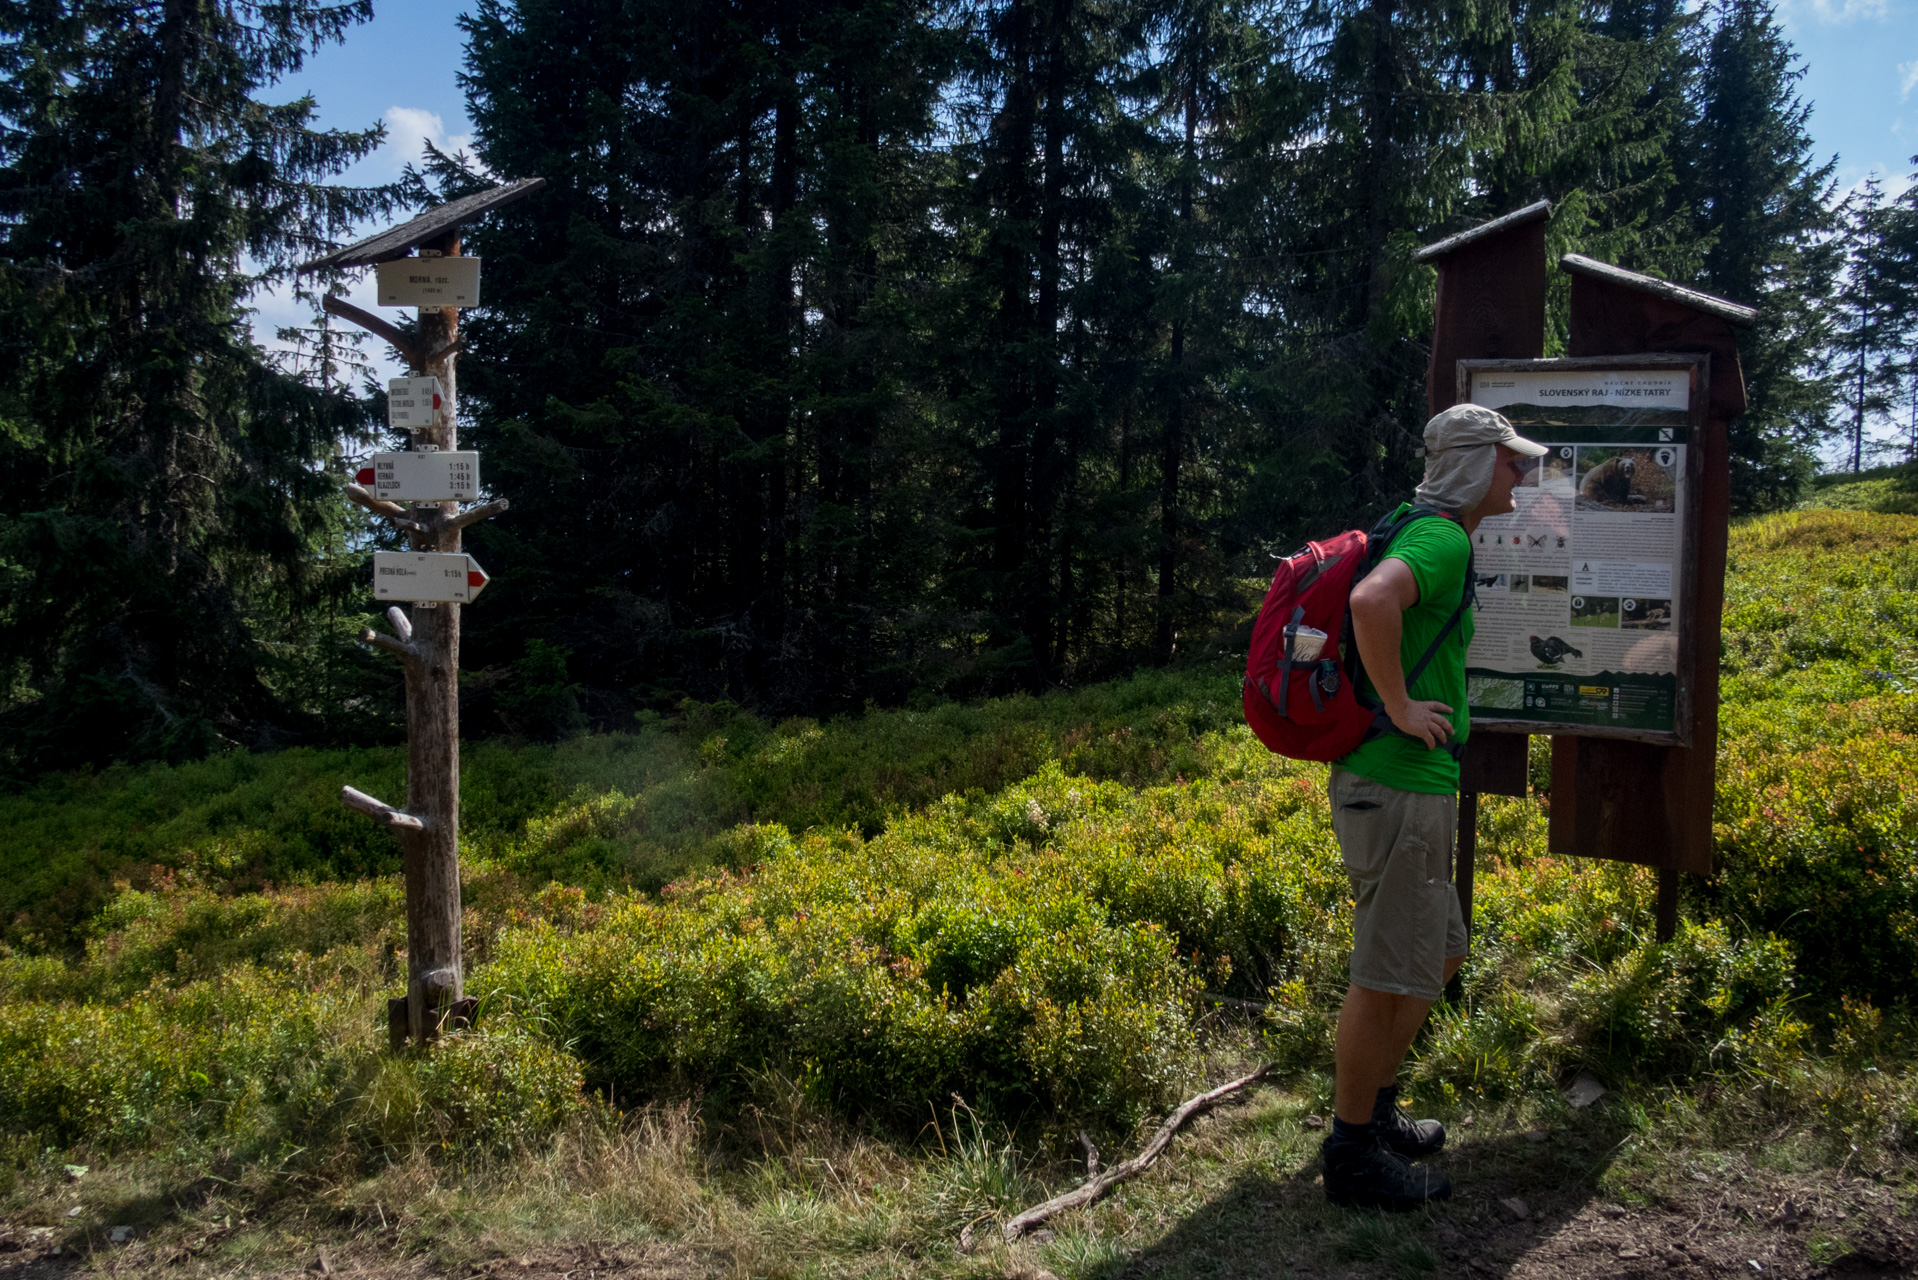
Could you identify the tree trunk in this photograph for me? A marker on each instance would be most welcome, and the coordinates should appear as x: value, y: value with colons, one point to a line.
x: 1379, y: 160
x: 1014, y: 325
x: 435, y: 976
x: 1173, y: 450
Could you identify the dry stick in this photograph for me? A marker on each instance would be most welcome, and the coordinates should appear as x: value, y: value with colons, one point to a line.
x: 473, y: 515
x: 377, y: 327
x: 399, y: 515
x: 379, y: 810
x: 1095, y: 1188
x: 398, y: 648
x: 452, y: 348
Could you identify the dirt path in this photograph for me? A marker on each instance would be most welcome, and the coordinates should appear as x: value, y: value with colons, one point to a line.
x: 1547, y: 1210
x: 1782, y: 1228
x: 36, y: 1257
x: 1239, y: 1198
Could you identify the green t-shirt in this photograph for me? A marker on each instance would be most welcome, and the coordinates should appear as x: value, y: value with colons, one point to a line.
x: 1437, y: 552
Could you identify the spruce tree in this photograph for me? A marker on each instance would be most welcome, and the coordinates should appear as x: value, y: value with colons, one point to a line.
x: 1763, y: 208
x: 694, y: 344
x: 1872, y: 321
x: 161, y: 496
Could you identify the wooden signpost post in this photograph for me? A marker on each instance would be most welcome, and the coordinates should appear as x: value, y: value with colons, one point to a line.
x: 422, y: 263
x: 1625, y: 534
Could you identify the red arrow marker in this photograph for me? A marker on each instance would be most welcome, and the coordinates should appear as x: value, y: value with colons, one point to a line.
x: 365, y: 476
x: 475, y: 577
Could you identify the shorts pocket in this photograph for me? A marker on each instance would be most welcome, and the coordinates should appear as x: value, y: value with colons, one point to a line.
x: 1363, y: 819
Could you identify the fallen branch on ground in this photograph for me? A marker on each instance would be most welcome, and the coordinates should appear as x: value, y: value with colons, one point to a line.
x: 1095, y: 1188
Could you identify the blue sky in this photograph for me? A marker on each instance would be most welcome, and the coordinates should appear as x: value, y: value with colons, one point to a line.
x: 1860, y: 59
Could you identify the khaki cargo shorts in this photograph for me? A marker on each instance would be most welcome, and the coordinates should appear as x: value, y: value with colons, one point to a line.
x: 1398, y: 854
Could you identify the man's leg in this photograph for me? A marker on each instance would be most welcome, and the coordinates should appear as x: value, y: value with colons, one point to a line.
x: 1375, y: 1030
x: 1397, y: 850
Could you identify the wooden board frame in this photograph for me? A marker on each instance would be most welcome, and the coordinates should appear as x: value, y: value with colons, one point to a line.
x: 1699, y: 365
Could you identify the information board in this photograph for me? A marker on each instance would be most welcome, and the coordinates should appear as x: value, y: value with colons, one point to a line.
x: 1583, y: 591
x: 437, y: 475
x: 412, y: 403
x: 442, y: 576
x: 429, y: 282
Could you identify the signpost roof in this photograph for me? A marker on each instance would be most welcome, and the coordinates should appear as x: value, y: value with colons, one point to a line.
x: 397, y: 242
x: 1731, y: 312
x: 1534, y: 212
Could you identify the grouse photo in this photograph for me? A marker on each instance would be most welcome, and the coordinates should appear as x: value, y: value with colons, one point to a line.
x: 1551, y: 650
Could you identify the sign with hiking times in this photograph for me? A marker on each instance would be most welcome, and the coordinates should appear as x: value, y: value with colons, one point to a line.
x: 412, y: 404
x: 1582, y: 591
x: 446, y: 577
x: 429, y: 282
x: 432, y: 475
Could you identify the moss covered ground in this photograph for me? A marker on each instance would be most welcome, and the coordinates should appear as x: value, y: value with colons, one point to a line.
x: 808, y: 999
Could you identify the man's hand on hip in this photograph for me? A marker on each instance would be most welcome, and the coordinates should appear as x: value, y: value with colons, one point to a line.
x: 1426, y: 721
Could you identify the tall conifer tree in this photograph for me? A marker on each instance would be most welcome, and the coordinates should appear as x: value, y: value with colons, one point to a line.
x: 159, y: 497
x: 1763, y: 208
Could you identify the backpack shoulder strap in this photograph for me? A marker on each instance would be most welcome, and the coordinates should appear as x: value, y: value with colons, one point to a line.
x: 1386, y: 530
x: 1467, y: 597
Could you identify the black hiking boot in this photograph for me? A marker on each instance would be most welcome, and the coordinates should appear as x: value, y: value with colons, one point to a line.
x: 1373, y: 1176
x: 1412, y: 1139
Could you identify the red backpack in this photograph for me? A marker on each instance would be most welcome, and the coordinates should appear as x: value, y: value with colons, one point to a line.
x: 1311, y: 709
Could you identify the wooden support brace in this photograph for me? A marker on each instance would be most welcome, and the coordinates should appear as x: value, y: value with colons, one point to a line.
x: 459, y: 1015
x: 1665, y: 919
x: 374, y: 325
x: 473, y: 515
x: 379, y: 810
x: 400, y: 516
x: 378, y: 506
x: 396, y: 1025
x: 398, y: 648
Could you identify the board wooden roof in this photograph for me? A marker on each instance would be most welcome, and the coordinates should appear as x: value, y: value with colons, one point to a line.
x: 1516, y: 218
x: 1733, y: 312
x: 397, y: 242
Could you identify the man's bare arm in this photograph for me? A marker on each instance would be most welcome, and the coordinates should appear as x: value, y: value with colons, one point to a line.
x: 1378, y: 624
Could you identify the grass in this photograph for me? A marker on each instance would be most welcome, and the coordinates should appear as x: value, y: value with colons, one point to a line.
x: 837, y: 991
x: 1889, y: 490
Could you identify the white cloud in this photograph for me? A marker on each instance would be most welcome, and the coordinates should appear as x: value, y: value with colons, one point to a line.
x: 409, y: 129
x: 1907, y: 79
x: 1837, y: 13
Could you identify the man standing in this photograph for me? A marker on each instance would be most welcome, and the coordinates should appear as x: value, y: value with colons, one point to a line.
x: 1395, y: 807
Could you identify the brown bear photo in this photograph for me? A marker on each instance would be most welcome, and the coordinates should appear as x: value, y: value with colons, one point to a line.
x: 1642, y: 480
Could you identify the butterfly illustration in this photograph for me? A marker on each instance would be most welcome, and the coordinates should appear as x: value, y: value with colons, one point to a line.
x: 1537, y: 540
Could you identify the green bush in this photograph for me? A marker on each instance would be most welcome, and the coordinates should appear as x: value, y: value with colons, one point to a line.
x: 1889, y: 490
x: 1024, y: 902
x: 606, y: 811
x: 880, y: 975
x: 493, y: 1091
x: 1669, y: 1011
x: 1492, y: 1048
x: 1816, y: 830
x: 234, y: 1059
x: 1822, y: 845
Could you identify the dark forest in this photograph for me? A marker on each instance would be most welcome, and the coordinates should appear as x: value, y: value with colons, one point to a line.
x: 858, y: 352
